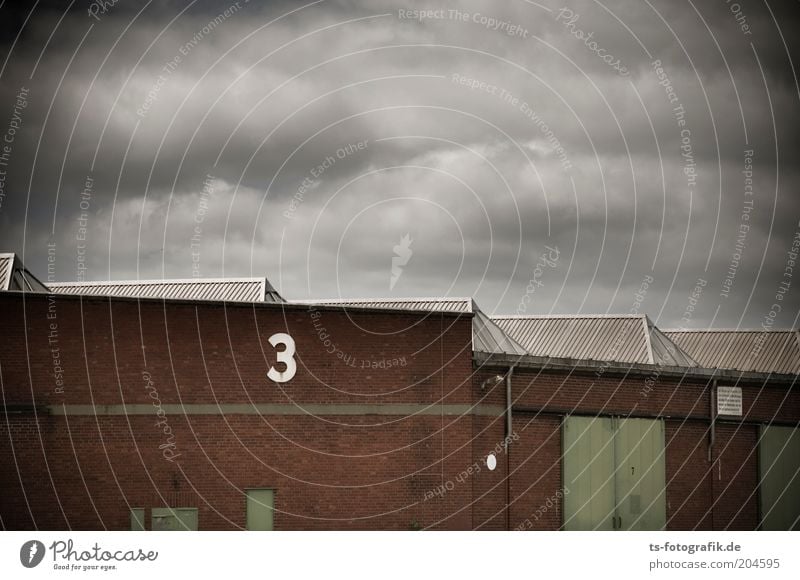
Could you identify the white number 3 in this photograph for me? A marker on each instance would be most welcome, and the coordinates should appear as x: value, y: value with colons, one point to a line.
x: 285, y: 356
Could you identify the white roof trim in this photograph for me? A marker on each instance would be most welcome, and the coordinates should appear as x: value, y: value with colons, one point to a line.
x: 688, y: 330
x: 6, y: 281
x: 261, y: 279
x: 345, y: 301
x: 563, y: 316
x: 650, y: 356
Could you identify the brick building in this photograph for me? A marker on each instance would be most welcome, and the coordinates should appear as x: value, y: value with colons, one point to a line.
x: 218, y: 405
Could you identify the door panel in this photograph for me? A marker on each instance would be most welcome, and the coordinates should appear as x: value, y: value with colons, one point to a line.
x: 588, y: 468
x: 779, y: 471
x: 640, y: 477
x: 173, y: 519
x: 260, y: 509
x: 137, y: 519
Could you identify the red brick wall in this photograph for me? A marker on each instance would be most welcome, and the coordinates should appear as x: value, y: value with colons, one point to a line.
x: 688, y: 474
x: 489, y: 487
x: 536, y: 480
x: 588, y: 393
x: 359, y: 477
x: 105, y: 346
x: 700, y: 495
x: 329, y: 472
x: 734, y: 476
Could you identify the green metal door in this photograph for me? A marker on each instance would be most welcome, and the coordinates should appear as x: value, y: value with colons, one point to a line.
x: 173, y: 519
x: 260, y: 509
x: 779, y: 471
x: 639, y: 477
x: 588, y: 468
x: 137, y: 519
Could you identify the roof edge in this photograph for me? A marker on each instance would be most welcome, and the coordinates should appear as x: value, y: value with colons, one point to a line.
x: 471, y: 306
x: 85, y: 284
x: 293, y: 305
x: 636, y: 369
x: 696, y: 330
x: 565, y: 316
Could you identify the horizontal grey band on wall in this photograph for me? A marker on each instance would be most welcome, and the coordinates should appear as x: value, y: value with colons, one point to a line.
x: 398, y: 409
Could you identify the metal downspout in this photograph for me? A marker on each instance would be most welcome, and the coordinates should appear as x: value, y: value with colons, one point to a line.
x: 507, y: 444
x: 712, y: 436
x: 712, y: 418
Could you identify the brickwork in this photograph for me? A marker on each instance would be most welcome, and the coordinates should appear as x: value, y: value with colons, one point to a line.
x: 337, y: 461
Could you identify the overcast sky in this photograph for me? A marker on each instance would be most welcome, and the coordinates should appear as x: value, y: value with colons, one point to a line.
x: 305, y: 141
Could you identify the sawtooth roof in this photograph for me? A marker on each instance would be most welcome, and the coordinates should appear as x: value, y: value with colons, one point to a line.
x: 225, y: 289
x: 619, y: 338
x: 487, y: 336
x: 765, y: 351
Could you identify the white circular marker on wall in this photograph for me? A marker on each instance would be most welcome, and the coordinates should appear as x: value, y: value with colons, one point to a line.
x: 491, y: 462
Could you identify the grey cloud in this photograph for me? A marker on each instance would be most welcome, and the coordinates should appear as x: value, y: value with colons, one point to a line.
x: 405, y: 104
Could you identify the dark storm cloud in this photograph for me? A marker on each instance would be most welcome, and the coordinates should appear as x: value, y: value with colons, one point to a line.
x: 333, y: 129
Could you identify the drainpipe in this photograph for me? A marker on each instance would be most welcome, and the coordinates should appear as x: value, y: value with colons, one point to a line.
x: 712, y: 418
x: 712, y: 412
x: 507, y: 444
x: 508, y: 405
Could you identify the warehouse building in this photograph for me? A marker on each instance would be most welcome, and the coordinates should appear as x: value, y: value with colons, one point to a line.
x: 217, y: 404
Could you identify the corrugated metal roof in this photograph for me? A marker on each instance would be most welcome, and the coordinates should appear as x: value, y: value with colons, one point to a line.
x: 15, y: 277
x: 666, y: 351
x: 602, y: 338
x: 621, y: 338
x: 773, y: 351
x: 464, y: 305
x: 225, y: 289
x: 6, y: 267
x: 486, y: 335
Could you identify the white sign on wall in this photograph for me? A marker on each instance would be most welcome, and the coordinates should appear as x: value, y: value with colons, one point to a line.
x: 285, y: 356
x: 729, y: 401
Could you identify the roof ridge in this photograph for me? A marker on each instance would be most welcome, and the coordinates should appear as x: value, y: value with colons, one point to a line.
x: 389, y: 299
x: 565, y: 316
x: 258, y: 279
x: 688, y: 330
